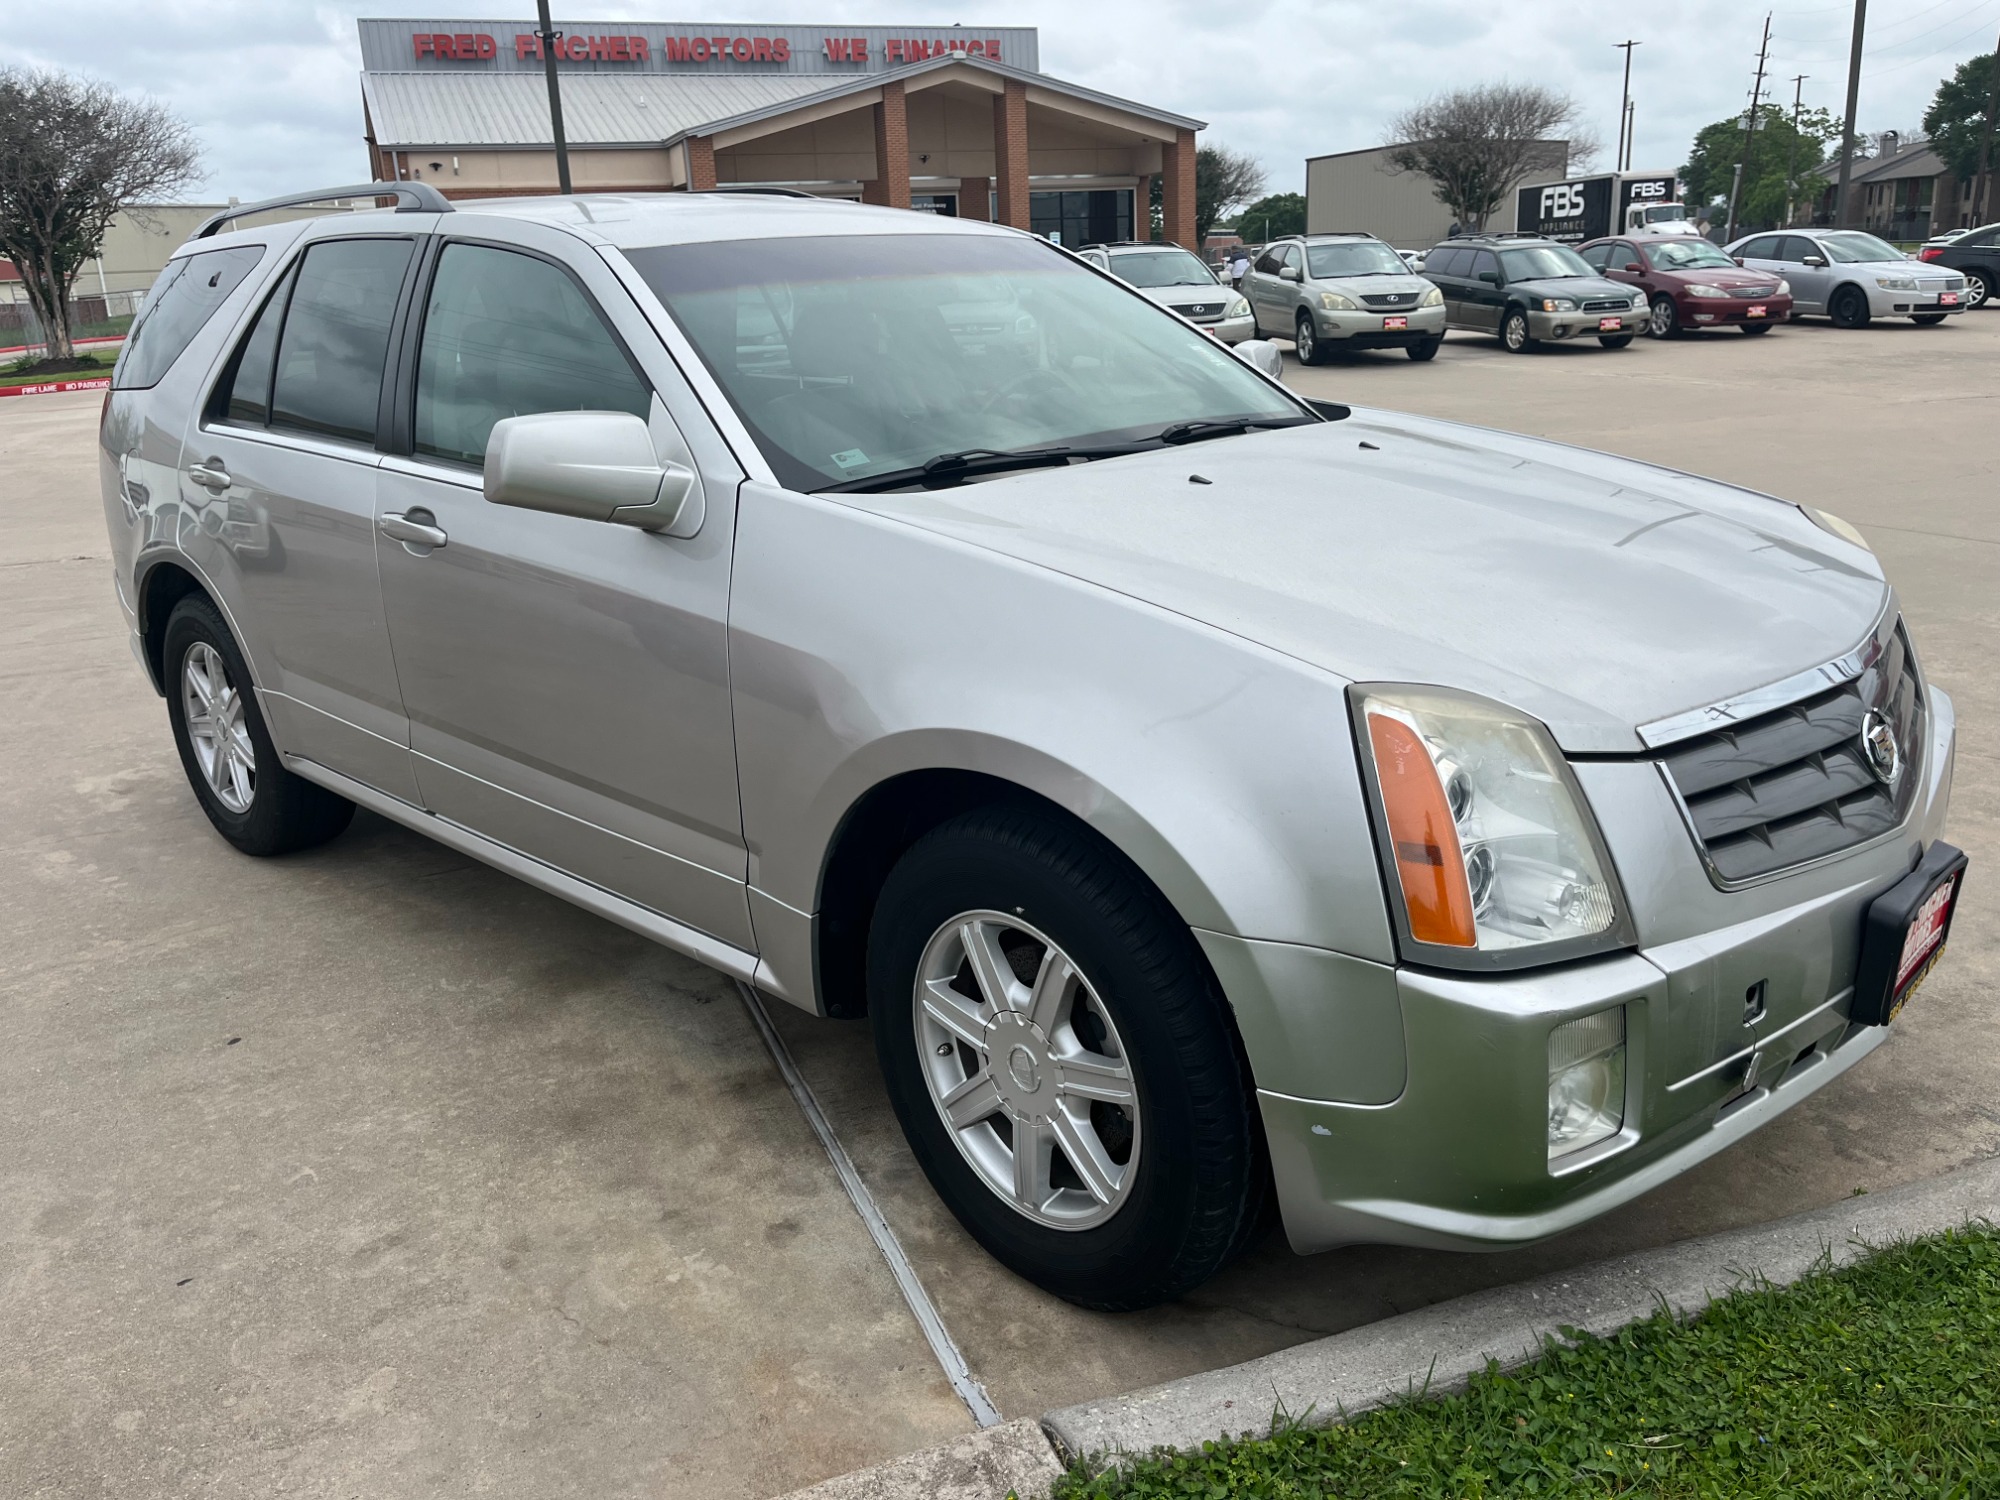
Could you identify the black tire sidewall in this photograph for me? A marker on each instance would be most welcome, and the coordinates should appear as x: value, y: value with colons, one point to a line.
x: 1527, y: 338
x: 1426, y: 350
x: 1849, y: 308
x: 1147, y: 971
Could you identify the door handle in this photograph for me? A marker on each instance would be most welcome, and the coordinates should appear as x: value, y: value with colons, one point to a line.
x: 402, y: 528
x: 210, y: 475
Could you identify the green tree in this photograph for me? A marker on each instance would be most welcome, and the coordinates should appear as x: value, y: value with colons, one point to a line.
x: 1223, y: 179
x: 1271, y: 217
x: 72, y: 154
x: 1957, y: 121
x: 1475, y: 144
x: 1781, y: 174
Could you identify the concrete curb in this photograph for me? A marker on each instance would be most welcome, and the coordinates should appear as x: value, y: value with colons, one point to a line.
x: 1444, y: 1345
x: 1441, y: 1346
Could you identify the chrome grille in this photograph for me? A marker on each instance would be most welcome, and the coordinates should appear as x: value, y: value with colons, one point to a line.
x: 1754, y: 291
x: 1621, y: 305
x: 1797, y: 783
x: 1201, y: 309
x: 1390, y: 299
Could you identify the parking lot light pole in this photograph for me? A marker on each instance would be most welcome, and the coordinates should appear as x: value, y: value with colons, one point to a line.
x: 549, y: 36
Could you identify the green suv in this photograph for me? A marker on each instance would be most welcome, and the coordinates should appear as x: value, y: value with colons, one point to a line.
x: 1527, y: 289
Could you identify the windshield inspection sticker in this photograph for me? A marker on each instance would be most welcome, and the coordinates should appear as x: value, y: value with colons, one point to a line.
x: 853, y: 458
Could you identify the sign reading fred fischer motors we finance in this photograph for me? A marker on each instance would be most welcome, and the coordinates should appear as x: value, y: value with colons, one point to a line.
x: 681, y: 46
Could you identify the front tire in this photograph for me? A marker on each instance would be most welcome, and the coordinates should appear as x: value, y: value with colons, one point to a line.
x: 1615, y: 340
x: 1305, y: 338
x: 1756, y: 327
x: 1978, y: 288
x: 226, y: 748
x: 1514, y: 334
x: 1663, y: 319
x: 1927, y: 320
x: 1027, y: 988
x: 1849, y: 308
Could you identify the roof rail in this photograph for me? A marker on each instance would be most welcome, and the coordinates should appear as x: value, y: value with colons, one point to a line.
x: 767, y: 192
x: 411, y: 198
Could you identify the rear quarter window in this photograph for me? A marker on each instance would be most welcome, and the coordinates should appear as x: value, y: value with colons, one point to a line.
x: 182, y: 301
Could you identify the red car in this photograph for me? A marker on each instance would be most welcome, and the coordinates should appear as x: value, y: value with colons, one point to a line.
x: 1691, y: 284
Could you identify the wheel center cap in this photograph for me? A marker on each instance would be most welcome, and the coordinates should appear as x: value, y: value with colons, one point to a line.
x: 1023, y: 1071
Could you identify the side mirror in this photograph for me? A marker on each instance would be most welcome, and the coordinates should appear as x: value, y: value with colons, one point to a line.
x: 1491, y: 278
x: 1815, y: 260
x: 1288, y: 273
x: 596, y: 465
x: 1739, y: 260
x: 1261, y: 354
x: 1635, y: 268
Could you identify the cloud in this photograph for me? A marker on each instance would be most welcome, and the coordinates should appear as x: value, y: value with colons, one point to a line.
x: 272, y: 87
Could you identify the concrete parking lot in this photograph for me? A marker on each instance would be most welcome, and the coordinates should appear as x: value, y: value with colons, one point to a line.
x: 373, y: 1172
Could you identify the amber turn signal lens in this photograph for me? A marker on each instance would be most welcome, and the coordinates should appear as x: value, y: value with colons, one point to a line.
x: 1429, y: 862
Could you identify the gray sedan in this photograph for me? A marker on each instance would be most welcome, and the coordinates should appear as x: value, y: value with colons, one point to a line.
x: 1852, y: 277
x: 1210, y: 798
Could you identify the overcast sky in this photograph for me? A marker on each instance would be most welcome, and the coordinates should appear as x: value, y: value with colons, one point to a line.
x: 270, y: 85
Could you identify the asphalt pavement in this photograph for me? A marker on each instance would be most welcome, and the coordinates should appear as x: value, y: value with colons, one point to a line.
x: 370, y: 1171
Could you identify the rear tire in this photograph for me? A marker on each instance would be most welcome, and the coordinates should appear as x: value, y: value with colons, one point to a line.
x: 1514, y: 335
x: 1426, y: 350
x: 1305, y: 338
x: 225, y: 746
x: 1849, y: 308
x: 1138, y: 1002
x: 1927, y: 320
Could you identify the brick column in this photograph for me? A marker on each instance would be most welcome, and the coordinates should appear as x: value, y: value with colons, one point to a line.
x: 891, y: 186
x: 1010, y: 153
x: 701, y: 164
x: 974, y: 198
x: 1177, y: 191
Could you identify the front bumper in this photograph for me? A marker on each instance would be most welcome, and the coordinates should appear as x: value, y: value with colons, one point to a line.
x: 1725, y: 312
x: 1457, y: 1157
x: 1883, y: 303
x: 1230, y: 330
x: 1365, y: 330
x: 1554, y: 326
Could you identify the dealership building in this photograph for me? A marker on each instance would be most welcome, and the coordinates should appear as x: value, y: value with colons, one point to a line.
x: 954, y: 120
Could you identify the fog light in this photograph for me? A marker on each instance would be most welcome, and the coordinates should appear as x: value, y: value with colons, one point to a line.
x: 1586, y: 1081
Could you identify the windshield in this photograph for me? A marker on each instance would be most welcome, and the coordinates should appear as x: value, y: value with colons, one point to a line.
x: 854, y: 355
x: 1685, y: 255
x: 1354, y: 258
x: 1851, y: 247
x: 1160, y: 268
x: 1661, y: 213
x: 1543, y: 263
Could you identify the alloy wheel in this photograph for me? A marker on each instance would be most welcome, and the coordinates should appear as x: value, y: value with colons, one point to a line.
x: 1304, y: 340
x: 217, y: 729
x: 1660, y: 318
x: 1027, y: 1070
x: 1977, y: 291
x: 1514, y: 332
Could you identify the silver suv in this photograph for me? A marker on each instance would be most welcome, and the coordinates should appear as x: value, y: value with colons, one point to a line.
x: 1207, y: 795
x: 1180, y: 282
x: 1343, y: 291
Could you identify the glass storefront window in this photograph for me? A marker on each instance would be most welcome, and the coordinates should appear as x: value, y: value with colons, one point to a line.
x: 1085, y: 217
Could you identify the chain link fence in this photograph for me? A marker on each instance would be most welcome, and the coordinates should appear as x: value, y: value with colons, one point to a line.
x: 101, y: 315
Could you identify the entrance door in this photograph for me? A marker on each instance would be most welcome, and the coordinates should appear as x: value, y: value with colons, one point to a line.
x: 567, y: 680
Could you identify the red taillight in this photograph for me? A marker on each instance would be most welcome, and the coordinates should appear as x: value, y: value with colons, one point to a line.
x: 1930, y: 252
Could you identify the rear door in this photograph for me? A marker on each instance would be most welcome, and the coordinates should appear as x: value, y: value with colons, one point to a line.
x: 567, y: 680
x: 280, y: 469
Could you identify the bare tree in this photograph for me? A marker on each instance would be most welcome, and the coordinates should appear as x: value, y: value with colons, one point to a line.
x: 72, y: 154
x: 1223, y: 179
x: 1476, y: 144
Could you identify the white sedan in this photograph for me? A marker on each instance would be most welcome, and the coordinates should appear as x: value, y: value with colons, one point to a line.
x: 1851, y: 277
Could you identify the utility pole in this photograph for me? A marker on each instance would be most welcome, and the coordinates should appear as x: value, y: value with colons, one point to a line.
x: 1792, y: 156
x: 1853, y: 101
x: 1618, y: 158
x: 549, y: 36
x: 1750, y: 126
x: 1631, y: 131
x: 1982, y: 195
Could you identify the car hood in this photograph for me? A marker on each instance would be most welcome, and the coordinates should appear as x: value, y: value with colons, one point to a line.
x: 1593, y: 592
x: 1374, y: 286
x: 1185, y: 296
x: 1577, y: 287
x: 1719, y: 276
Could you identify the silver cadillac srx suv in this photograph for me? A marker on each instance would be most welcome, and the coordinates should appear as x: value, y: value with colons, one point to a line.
x: 1212, y: 799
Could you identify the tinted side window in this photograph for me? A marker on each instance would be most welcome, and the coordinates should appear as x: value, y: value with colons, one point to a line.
x: 506, y: 335
x: 1796, y: 248
x: 1484, y: 262
x: 244, y: 393
x: 1760, y: 249
x: 336, y: 337
x: 1445, y: 262
x: 1268, y: 262
x: 1597, y: 257
x: 183, y: 300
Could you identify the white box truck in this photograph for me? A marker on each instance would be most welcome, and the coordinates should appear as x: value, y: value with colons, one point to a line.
x: 1576, y: 209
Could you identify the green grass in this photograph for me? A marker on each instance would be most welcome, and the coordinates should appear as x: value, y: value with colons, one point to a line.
x: 1878, y: 1380
x: 101, y: 363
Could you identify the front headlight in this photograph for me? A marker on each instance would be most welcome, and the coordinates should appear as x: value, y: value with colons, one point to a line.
x: 1586, y: 1081
x: 1495, y: 861
x: 1558, y: 304
x: 1335, y: 302
x: 1702, y: 289
x: 1432, y: 297
x: 1239, y: 307
x: 1896, y: 283
x: 1784, y: 287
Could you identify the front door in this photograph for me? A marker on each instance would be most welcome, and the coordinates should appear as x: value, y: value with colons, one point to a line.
x: 567, y: 680
x: 1483, y: 294
x: 1811, y: 285
x: 1262, y: 288
x: 280, y: 469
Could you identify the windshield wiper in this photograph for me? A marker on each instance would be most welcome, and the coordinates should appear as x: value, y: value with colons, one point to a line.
x: 947, y: 469
x: 1194, y: 432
